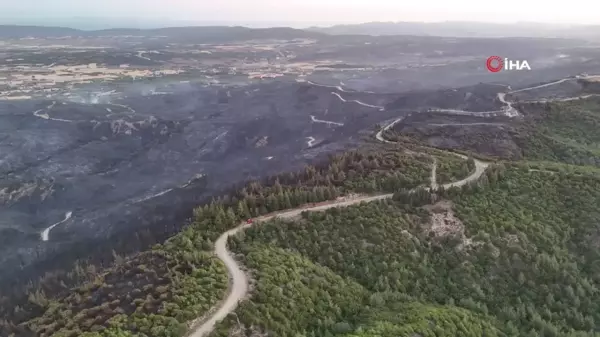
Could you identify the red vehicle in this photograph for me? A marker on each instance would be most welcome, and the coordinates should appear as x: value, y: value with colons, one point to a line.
x: 249, y: 221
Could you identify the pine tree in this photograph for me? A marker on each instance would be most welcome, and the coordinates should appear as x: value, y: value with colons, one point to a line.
x: 272, y: 203
x: 277, y: 187
x: 312, y: 196
x: 287, y: 204
x: 320, y: 194
x: 242, y: 210
x: 263, y: 210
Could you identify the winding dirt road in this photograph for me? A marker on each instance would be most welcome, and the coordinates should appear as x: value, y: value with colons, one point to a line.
x: 510, y: 111
x: 566, y: 99
x: 40, y: 114
x: 239, y: 280
x: 316, y: 120
x: 45, y: 235
x: 358, y: 102
x: 239, y: 286
x: 379, y: 134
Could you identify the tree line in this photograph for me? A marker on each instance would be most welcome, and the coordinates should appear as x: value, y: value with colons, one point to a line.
x: 522, y: 260
x: 157, y: 291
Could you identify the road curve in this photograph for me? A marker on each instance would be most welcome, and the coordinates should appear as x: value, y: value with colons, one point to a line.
x: 239, y: 280
x: 239, y: 287
x: 480, y: 167
x: 358, y: 102
x: 379, y: 134
x: 510, y: 111
x: 45, y: 235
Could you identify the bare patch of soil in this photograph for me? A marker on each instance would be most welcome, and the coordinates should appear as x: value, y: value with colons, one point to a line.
x: 445, y: 223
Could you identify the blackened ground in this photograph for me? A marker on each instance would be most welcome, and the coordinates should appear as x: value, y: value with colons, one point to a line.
x: 493, y: 136
x: 139, y: 165
x: 476, y: 98
x: 146, y: 161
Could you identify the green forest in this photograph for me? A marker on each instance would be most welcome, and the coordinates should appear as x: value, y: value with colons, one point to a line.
x: 562, y: 131
x: 451, y: 167
x: 158, y: 292
x: 523, y: 260
x: 516, y: 253
x: 153, y: 294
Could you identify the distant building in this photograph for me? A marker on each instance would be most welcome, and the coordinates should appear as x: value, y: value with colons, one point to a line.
x: 92, y: 66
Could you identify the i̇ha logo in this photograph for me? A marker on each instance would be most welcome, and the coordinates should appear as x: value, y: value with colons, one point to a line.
x: 496, y: 63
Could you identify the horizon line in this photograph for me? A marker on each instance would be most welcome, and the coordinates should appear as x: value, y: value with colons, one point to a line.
x: 151, y: 23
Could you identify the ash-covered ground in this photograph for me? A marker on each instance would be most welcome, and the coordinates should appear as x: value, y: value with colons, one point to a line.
x: 106, y: 164
x: 102, y: 135
x: 491, y: 136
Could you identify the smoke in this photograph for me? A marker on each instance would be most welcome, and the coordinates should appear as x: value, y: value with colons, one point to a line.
x: 91, y: 97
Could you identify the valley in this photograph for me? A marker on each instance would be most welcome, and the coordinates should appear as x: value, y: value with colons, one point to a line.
x: 231, y: 182
x: 111, y: 126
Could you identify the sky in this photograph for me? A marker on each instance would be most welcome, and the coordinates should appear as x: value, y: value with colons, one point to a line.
x: 299, y: 12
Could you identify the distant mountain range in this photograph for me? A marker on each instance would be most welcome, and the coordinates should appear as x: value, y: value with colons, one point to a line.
x: 99, y: 23
x: 195, y: 34
x: 230, y: 33
x: 463, y: 29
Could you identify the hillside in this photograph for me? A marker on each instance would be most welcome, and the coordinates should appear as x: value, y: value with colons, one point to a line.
x: 11, y: 31
x: 204, y: 34
x: 561, y: 131
x: 514, y: 253
x: 516, y: 256
x: 156, y: 292
x: 463, y: 29
x: 565, y: 131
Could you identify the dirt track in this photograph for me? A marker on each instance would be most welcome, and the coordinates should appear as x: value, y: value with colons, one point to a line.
x: 239, y: 280
x: 239, y: 286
